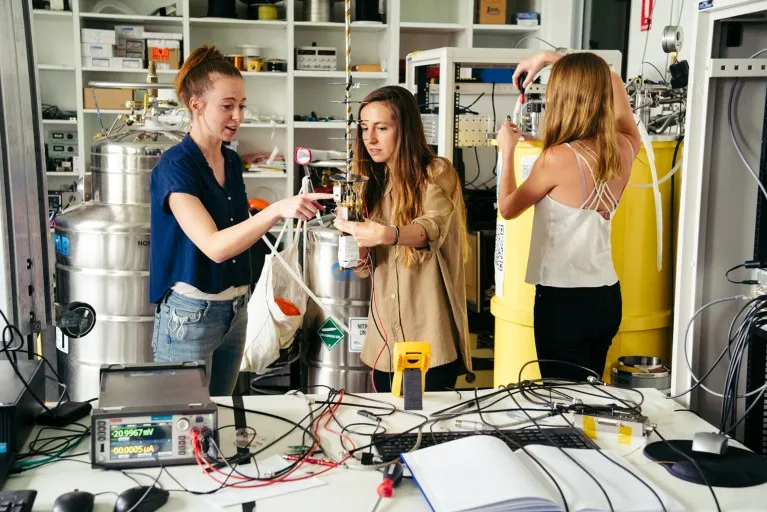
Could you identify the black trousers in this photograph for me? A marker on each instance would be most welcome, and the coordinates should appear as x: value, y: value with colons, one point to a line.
x: 439, y: 378
x: 575, y: 325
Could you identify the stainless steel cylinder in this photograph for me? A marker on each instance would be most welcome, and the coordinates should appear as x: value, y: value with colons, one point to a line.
x: 102, y: 259
x: 641, y: 372
x: 347, y: 296
x: 318, y: 10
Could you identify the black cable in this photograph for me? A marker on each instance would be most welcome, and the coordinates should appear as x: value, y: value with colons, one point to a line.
x: 747, y: 281
x: 694, y: 463
x: 524, y: 449
x: 551, y: 441
x: 479, y: 168
x: 146, y: 493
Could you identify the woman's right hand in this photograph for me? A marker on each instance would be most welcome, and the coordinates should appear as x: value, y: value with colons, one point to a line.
x: 302, y: 206
x: 533, y: 66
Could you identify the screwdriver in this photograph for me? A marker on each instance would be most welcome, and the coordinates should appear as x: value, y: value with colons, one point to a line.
x: 392, y: 476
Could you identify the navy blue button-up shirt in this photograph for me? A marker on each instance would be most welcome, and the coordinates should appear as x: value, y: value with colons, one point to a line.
x: 173, y: 257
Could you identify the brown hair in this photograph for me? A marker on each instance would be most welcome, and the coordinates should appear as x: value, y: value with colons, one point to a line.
x: 412, y: 166
x: 579, y: 105
x: 193, y: 79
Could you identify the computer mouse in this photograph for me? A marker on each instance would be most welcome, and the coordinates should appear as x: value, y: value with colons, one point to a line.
x: 142, y: 500
x: 75, y: 501
x: 709, y: 442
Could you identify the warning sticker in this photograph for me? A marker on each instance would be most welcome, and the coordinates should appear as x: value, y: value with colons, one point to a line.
x: 359, y: 329
x: 330, y: 333
x: 526, y: 163
x: 498, y: 258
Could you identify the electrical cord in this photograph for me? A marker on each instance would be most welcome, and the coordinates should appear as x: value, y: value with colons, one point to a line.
x: 9, y: 333
x: 694, y: 463
x: 732, y: 131
x: 146, y: 493
x: 747, y: 281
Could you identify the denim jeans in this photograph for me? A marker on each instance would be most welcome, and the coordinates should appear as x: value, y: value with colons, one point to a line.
x: 200, y: 330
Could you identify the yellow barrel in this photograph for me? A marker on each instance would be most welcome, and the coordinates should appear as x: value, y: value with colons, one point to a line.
x: 647, y: 292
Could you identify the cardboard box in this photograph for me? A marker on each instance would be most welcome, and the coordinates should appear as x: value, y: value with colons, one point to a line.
x: 106, y: 98
x: 165, y: 53
x: 97, y: 62
x: 129, y: 31
x: 93, y: 35
x: 96, y: 50
x: 492, y: 12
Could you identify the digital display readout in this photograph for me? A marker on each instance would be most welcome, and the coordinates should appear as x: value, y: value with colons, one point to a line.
x: 144, y: 440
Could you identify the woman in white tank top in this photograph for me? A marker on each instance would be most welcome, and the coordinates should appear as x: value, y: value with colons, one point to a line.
x: 589, y: 145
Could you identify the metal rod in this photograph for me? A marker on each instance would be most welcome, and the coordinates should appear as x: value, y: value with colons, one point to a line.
x: 123, y: 85
x: 348, y: 69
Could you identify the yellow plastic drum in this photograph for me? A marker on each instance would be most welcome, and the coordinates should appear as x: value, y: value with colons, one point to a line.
x: 647, y: 292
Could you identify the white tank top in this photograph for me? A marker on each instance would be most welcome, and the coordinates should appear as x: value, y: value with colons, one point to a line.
x: 570, y: 247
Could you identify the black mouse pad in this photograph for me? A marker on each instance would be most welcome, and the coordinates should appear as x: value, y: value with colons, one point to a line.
x: 736, y: 468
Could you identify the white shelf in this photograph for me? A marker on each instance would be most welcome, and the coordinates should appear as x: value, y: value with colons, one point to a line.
x: 54, y: 67
x: 124, y: 70
x: 356, y: 26
x: 59, y: 121
x: 508, y: 29
x: 264, y: 74
x: 319, y: 125
x: 340, y: 74
x: 263, y: 125
x: 264, y: 175
x: 232, y: 22
x: 47, y: 13
x: 431, y: 28
x: 131, y: 17
x: 69, y: 174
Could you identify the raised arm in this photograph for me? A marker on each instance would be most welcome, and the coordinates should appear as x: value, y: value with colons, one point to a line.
x: 624, y: 116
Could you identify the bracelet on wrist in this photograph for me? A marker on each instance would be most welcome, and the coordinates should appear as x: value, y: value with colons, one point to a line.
x: 396, y: 235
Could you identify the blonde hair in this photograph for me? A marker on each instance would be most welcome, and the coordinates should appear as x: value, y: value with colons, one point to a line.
x: 414, y: 163
x: 579, y: 105
x: 193, y: 79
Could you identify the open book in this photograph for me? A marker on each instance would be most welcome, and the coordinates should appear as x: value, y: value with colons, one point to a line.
x: 481, y: 473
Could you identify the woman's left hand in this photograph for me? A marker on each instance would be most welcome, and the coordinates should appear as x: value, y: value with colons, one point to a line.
x: 367, y: 233
x: 508, y: 136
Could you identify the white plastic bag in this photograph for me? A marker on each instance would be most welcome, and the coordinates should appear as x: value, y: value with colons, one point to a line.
x: 269, y: 329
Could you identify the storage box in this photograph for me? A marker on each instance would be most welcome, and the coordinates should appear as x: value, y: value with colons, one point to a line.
x: 129, y: 31
x: 527, y: 19
x: 164, y: 35
x: 97, y: 62
x: 93, y: 35
x: 492, y: 12
x: 107, y: 98
x: 165, y: 53
x: 135, y: 45
x: 127, y: 63
x: 96, y: 50
x: 122, y: 52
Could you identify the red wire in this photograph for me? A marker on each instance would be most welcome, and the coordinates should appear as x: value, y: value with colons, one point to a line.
x: 203, y: 463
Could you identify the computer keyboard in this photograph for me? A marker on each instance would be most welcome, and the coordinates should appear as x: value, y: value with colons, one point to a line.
x: 390, y: 446
x: 17, y: 501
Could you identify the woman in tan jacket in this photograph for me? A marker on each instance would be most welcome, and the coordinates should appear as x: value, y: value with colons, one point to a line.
x: 416, y: 233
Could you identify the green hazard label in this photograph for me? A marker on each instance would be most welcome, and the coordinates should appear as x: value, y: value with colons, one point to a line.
x: 330, y: 333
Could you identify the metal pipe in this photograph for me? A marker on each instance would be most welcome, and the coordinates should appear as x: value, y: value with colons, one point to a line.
x: 347, y: 97
x: 127, y: 85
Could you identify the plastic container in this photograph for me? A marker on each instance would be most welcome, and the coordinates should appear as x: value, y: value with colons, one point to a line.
x: 646, y: 292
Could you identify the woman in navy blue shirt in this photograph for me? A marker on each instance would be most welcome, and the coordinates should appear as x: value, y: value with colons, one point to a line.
x: 200, y: 228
